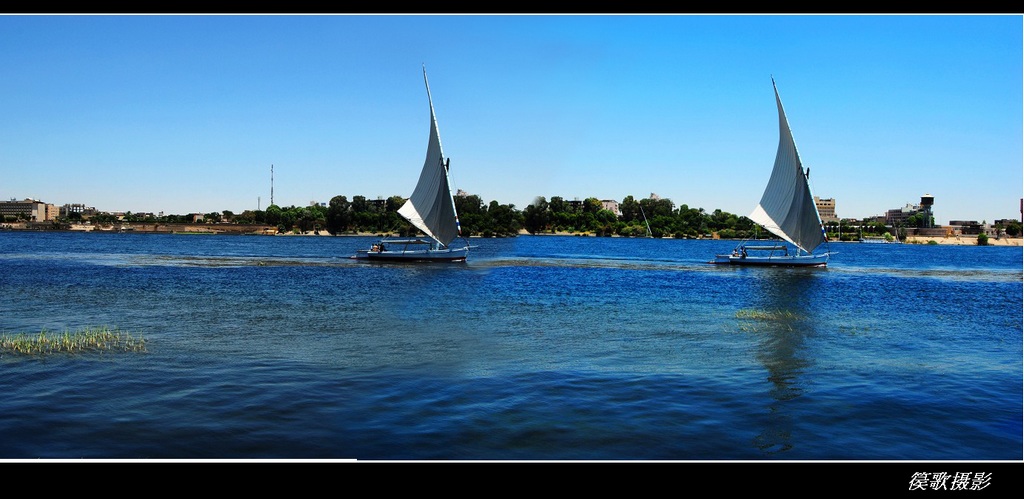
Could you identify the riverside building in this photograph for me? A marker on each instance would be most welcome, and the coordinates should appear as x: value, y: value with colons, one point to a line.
x: 29, y: 209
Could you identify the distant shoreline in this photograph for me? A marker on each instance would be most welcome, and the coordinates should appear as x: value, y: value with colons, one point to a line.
x: 965, y: 240
x: 922, y: 240
x: 235, y: 230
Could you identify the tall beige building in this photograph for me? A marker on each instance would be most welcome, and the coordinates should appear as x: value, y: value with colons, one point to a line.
x: 826, y: 209
x: 612, y: 206
x: 34, y: 210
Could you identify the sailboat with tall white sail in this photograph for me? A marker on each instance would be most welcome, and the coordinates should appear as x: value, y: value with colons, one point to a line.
x: 787, y: 210
x: 431, y: 209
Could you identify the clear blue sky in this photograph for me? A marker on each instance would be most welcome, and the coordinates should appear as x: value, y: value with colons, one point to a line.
x: 180, y: 114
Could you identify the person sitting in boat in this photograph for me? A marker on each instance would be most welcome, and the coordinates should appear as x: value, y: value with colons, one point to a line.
x: 380, y: 248
x: 744, y: 253
x: 375, y: 248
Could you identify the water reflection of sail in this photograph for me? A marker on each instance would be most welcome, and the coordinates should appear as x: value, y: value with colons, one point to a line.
x: 779, y: 319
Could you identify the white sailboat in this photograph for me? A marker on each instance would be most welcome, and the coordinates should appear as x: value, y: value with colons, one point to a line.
x: 431, y: 209
x: 787, y: 210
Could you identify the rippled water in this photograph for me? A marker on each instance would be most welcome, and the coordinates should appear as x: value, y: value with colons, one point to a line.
x: 542, y: 347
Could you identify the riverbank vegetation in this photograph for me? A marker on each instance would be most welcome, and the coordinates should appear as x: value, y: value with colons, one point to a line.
x: 652, y: 217
x: 646, y: 217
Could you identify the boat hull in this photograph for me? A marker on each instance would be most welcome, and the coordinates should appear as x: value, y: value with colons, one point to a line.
x: 414, y: 256
x: 774, y: 260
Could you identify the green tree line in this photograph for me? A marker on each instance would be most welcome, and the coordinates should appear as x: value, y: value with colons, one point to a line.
x: 342, y: 216
x: 637, y: 218
x: 381, y: 216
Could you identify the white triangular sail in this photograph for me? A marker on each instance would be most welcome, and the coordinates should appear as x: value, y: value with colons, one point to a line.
x: 431, y: 207
x: 787, y: 207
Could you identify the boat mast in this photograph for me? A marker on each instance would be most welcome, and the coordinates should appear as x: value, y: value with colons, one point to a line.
x: 649, y: 234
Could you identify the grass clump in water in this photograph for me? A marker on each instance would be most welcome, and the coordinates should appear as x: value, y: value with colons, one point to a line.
x: 766, y: 315
x: 102, y: 339
x: 753, y: 319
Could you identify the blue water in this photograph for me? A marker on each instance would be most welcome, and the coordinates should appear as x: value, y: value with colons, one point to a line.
x: 537, y: 348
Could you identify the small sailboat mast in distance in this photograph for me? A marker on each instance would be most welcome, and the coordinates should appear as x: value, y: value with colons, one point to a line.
x: 649, y: 233
x: 431, y: 209
x: 787, y: 210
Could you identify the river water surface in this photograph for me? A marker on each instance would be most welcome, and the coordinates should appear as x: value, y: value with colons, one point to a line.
x: 537, y: 348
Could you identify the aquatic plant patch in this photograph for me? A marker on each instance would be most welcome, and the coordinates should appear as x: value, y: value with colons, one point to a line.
x: 100, y: 339
x: 767, y: 315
